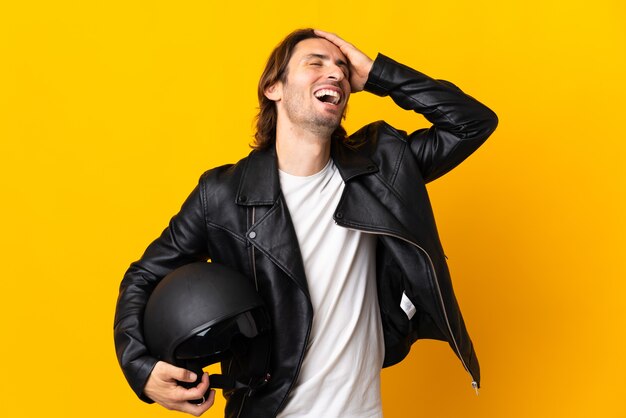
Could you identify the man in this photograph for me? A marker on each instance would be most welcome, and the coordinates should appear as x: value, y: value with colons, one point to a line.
x: 337, y: 234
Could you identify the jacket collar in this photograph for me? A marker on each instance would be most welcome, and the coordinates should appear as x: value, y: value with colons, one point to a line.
x: 260, y: 184
x: 350, y: 161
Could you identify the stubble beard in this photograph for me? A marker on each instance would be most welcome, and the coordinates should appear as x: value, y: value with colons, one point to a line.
x: 310, y: 118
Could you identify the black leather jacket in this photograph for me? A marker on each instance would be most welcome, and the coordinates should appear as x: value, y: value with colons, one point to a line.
x: 237, y: 216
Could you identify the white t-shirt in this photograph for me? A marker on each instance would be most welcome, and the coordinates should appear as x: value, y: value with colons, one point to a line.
x: 340, y: 373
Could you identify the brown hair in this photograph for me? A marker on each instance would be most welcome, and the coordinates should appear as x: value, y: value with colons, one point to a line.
x: 276, y: 70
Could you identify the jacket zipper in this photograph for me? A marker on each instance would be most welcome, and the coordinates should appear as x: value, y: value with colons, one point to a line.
x: 243, y: 401
x: 443, y: 306
x: 256, y: 283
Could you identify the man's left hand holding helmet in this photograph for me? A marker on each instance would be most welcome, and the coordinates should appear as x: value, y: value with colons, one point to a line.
x: 163, y: 388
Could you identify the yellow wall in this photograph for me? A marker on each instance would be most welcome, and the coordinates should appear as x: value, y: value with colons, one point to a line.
x: 110, y: 111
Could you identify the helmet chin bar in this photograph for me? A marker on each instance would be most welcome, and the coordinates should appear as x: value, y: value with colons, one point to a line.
x: 244, y: 337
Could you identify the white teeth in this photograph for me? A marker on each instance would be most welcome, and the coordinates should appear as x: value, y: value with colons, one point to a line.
x: 328, y: 92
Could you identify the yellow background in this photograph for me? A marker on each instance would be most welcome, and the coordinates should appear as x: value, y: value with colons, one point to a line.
x: 110, y: 111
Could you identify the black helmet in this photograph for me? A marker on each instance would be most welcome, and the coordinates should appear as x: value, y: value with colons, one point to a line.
x: 203, y: 313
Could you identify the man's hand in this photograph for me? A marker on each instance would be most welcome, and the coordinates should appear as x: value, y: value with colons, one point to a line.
x: 360, y: 64
x: 163, y: 389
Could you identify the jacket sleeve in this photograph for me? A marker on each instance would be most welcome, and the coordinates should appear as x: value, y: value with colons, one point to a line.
x: 182, y: 242
x: 460, y: 123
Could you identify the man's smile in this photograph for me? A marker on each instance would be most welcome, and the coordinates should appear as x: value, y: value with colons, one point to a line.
x: 329, y: 95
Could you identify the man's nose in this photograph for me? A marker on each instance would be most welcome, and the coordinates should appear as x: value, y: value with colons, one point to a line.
x: 335, y: 73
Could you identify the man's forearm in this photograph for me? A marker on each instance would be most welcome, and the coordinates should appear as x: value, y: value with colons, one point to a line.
x: 460, y: 123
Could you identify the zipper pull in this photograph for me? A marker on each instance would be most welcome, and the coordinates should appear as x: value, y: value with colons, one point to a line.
x: 475, y: 386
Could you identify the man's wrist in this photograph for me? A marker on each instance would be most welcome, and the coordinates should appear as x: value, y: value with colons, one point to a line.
x: 375, y: 83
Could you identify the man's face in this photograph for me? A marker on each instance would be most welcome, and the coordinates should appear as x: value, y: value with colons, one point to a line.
x: 317, y: 87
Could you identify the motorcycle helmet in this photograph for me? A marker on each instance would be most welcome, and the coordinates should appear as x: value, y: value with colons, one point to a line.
x: 203, y: 313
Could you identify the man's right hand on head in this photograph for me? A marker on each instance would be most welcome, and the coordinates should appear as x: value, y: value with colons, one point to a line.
x: 359, y: 63
x: 163, y: 388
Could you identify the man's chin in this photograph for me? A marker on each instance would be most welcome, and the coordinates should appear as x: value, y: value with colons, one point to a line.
x: 329, y: 124
x: 325, y: 128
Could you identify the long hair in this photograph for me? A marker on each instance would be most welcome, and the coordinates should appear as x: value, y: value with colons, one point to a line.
x: 275, y: 71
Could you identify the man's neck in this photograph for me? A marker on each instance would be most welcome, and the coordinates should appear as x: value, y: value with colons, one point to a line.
x: 301, y: 153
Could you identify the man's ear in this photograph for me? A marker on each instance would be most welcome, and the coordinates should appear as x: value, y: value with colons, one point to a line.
x: 274, y: 92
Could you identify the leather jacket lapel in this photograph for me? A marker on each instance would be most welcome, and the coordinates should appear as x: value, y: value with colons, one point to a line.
x: 272, y: 232
x: 369, y: 205
x: 350, y: 162
x: 274, y: 235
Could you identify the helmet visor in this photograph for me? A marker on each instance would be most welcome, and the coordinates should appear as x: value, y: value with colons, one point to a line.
x: 216, y: 339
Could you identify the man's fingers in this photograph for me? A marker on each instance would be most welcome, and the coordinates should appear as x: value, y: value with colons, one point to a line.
x: 163, y: 389
x: 331, y: 37
x: 204, y: 383
x: 327, y: 35
x: 195, y: 392
x: 169, y: 372
x: 199, y: 392
x: 210, y: 397
x: 184, y: 394
x: 344, y: 46
x: 186, y: 376
x: 197, y: 410
x: 360, y: 64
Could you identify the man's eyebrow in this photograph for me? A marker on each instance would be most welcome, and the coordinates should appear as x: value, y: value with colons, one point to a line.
x: 339, y: 62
